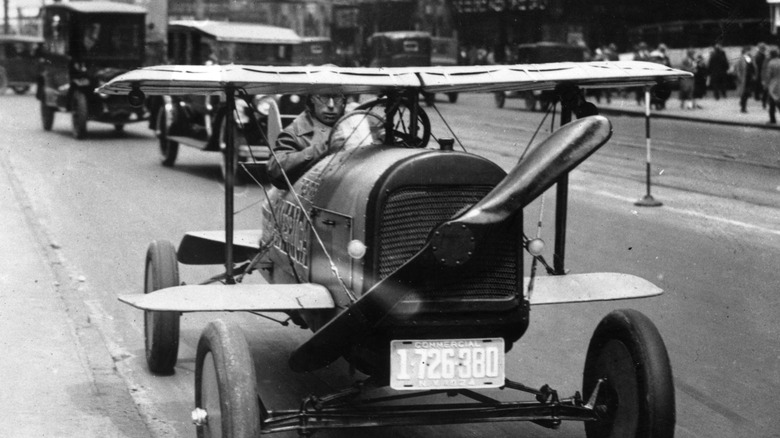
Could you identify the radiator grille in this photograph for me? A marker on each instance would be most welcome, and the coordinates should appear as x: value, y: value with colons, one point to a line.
x: 408, y: 217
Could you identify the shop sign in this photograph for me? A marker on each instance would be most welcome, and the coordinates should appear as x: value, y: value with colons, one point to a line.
x: 478, y: 6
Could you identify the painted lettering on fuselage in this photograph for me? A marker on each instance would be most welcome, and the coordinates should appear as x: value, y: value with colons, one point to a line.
x: 293, y: 235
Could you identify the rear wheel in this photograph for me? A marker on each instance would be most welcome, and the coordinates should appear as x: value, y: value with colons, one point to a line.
x: 500, y: 99
x: 226, y: 398
x: 636, y: 394
x: 47, y: 116
x: 79, y: 114
x: 168, y: 149
x: 161, y: 328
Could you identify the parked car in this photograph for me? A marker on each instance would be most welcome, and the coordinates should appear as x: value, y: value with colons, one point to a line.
x: 540, y: 53
x: 18, y: 62
x: 406, y: 48
x: 87, y: 43
x: 199, y: 121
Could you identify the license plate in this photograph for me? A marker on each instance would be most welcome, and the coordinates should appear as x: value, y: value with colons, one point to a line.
x: 446, y: 363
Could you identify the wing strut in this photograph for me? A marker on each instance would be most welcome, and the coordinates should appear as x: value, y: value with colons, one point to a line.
x: 230, y: 181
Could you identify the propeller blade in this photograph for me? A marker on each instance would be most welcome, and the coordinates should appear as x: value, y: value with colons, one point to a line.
x: 550, y: 160
x: 564, y: 150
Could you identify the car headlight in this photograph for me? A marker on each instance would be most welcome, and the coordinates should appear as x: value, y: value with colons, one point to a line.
x: 262, y: 104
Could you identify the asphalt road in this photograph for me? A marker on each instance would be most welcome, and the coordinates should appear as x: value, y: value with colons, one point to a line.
x: 713, y: 247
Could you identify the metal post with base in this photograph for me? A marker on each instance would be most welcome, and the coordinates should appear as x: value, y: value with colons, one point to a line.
x: 647, y: 200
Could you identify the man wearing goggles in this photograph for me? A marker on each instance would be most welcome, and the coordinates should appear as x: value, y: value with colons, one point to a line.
x: 305, y: 140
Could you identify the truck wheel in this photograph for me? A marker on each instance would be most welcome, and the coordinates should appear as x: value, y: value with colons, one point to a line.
x: 161, y: 329
x: 500, y: 98
x: 80, y: 114
x: 226, y: 399
x: 636, y: 394
x: 169, y: 149
x: 240, y: 175
x: 47, y: 116
x: 3, y: 81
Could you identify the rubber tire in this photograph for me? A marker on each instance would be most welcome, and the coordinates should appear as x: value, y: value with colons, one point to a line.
x: 422, y: 119
x: 500, y: 98
x: 20, y: 89
x: 453, y: 97
x: 47, y: 116
x: 626, y: 348
x: 226, y: 382
x: 161, y: 329
x: 530, y: 102
x: 241, y: 177
x: 429, y: 98
x: 3, y: 81
x: 80, y: 113
x: 168, y: 149
x: 119, y: 128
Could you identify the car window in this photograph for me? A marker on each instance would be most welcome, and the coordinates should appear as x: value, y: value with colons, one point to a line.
x: 105, y: 38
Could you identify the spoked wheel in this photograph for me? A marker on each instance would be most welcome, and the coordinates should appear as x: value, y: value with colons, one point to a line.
x: 161, y: 328
x: 168, y: 148
x: 636, y: 394
x: 402, y: 117
x: 80, y: 114
x: 226, y: 401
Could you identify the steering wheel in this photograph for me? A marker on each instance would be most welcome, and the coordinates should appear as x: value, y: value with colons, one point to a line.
x: 402, y: 118
x: 356, y: 129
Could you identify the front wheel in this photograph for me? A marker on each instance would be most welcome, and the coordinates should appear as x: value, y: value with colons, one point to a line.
x: 47, y: 116
x: 80, y: 114
x: 500, y: 99
x: 226, y: 400
x: 169, y: 149
x: 636, y: 395
x: 161, y: 329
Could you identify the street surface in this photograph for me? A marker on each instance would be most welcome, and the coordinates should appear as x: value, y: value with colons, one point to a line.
x: 713, y: 246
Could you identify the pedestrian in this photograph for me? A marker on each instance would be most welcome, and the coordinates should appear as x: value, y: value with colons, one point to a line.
x: 640, y: 54
x: 659, y: 56
x: 305, y: 140
x: 771, y: 77
x: 745, y: 72
x: 718, y: 69
x: 759, y: 59
x: 699, y: 79
x: 687, y: 99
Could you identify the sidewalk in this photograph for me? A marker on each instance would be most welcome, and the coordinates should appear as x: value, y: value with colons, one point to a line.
x: 724, y: 111
x: 53, y: 385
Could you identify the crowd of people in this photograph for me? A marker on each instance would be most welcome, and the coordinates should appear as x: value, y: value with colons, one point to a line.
x: 755, y: 74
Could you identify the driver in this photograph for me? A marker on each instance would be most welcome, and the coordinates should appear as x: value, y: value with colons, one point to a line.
x: 305, y: 140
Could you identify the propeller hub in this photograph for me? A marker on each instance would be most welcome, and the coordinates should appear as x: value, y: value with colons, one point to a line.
x: 453, y: 244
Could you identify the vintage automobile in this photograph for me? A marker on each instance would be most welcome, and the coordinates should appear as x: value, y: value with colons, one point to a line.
x: 199, y: 121
x: 18, y: 62
x: 408, y: 48
x: 86, y: 43
x: 408, y: 259
x: 535, y: 53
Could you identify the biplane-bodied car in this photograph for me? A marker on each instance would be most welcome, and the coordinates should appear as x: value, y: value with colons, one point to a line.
x: 19, y: 62
x: 87, y: 43
x: 414, y: 275
x: 198, y: 121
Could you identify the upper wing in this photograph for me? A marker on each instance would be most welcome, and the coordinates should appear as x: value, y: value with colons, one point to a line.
x: 205, y: 80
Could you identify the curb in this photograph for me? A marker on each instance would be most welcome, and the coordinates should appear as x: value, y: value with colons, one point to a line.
x: 661, y: 115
